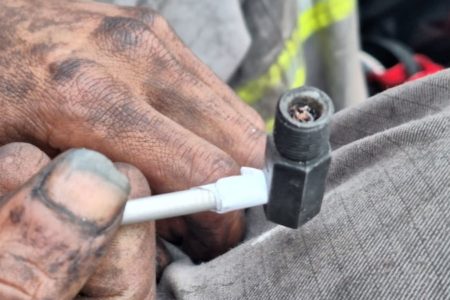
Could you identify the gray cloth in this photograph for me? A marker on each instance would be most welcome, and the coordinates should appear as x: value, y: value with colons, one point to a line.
x: 333, y: 64
x: 383, y: 232
x: 270, y: 24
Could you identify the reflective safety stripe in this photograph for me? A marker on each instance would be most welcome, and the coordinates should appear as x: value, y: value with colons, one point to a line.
x: 288, y: 68
x: 322, y: 15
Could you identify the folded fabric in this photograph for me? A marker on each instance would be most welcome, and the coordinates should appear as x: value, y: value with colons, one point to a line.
x: 384, y: 228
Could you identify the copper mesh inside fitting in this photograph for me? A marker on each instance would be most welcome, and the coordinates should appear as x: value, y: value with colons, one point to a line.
x: 304, y: 112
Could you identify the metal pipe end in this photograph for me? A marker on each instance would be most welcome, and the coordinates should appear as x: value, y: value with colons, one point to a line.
x: 301, y: 124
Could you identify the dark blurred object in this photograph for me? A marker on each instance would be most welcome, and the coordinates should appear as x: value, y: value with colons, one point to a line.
x: 399, y: 74
x: 422, y: 26
x: 403, y: 40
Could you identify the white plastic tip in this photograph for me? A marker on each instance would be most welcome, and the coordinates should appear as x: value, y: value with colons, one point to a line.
x: 238, y: 192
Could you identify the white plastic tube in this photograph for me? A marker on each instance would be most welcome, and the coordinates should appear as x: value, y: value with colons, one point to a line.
x: 227, y: 194
x: 168, y: 205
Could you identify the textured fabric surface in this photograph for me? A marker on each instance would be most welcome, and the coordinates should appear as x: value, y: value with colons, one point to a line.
x: 383, y: 232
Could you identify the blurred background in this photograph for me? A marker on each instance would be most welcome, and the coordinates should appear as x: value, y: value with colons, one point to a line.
x: 350, y: 49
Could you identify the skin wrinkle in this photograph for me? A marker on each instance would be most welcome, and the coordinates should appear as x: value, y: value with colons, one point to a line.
x: 123, y: 33
x: 55, y: 267
x: 15, y: 84
x: 183, y: 112
x: 101, y: 251
x: 69, y: 21
x: 65, y: 70
x: 34, y: 266
x: 40, y: 51
x: 76, y: 259
x: 17, y: 89
x: 15, y: 287
x: 188, y: 115
x: 43, y: 23
x: 55, y: 251
x: 217, y: 162
x: 73, y: 271
x: 76, y: 265
x: 92, y: 85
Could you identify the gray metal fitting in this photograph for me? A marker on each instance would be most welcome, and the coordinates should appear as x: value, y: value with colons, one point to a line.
x: 298, y: 156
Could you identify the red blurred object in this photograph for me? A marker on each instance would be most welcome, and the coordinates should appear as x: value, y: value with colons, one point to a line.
x: 397, y: 75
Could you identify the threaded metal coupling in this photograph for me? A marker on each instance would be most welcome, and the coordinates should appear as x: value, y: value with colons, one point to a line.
x: 301, y: 130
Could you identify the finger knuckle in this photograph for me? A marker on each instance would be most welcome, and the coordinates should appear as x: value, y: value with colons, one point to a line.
x: 121, y: 33
x: 217, y: 165
x: 200, y: 163
x: 79, y: 79
x: 74, y: 80
x: 22, y: 156
x: 19, y: 149
x: 18, y: 162
x: 258, y: 122
x: 247, y: 142
x: 254, y: 147
x: 87, y: 92
x: 256, y: 143
x: 160, y: 23
x: 67, y: 69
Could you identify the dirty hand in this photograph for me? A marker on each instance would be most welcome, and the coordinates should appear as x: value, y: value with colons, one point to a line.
x: 59, y: 236
x: 119, y: 81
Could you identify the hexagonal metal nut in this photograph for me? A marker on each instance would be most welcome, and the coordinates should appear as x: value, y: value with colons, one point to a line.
x: 296, y: 189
